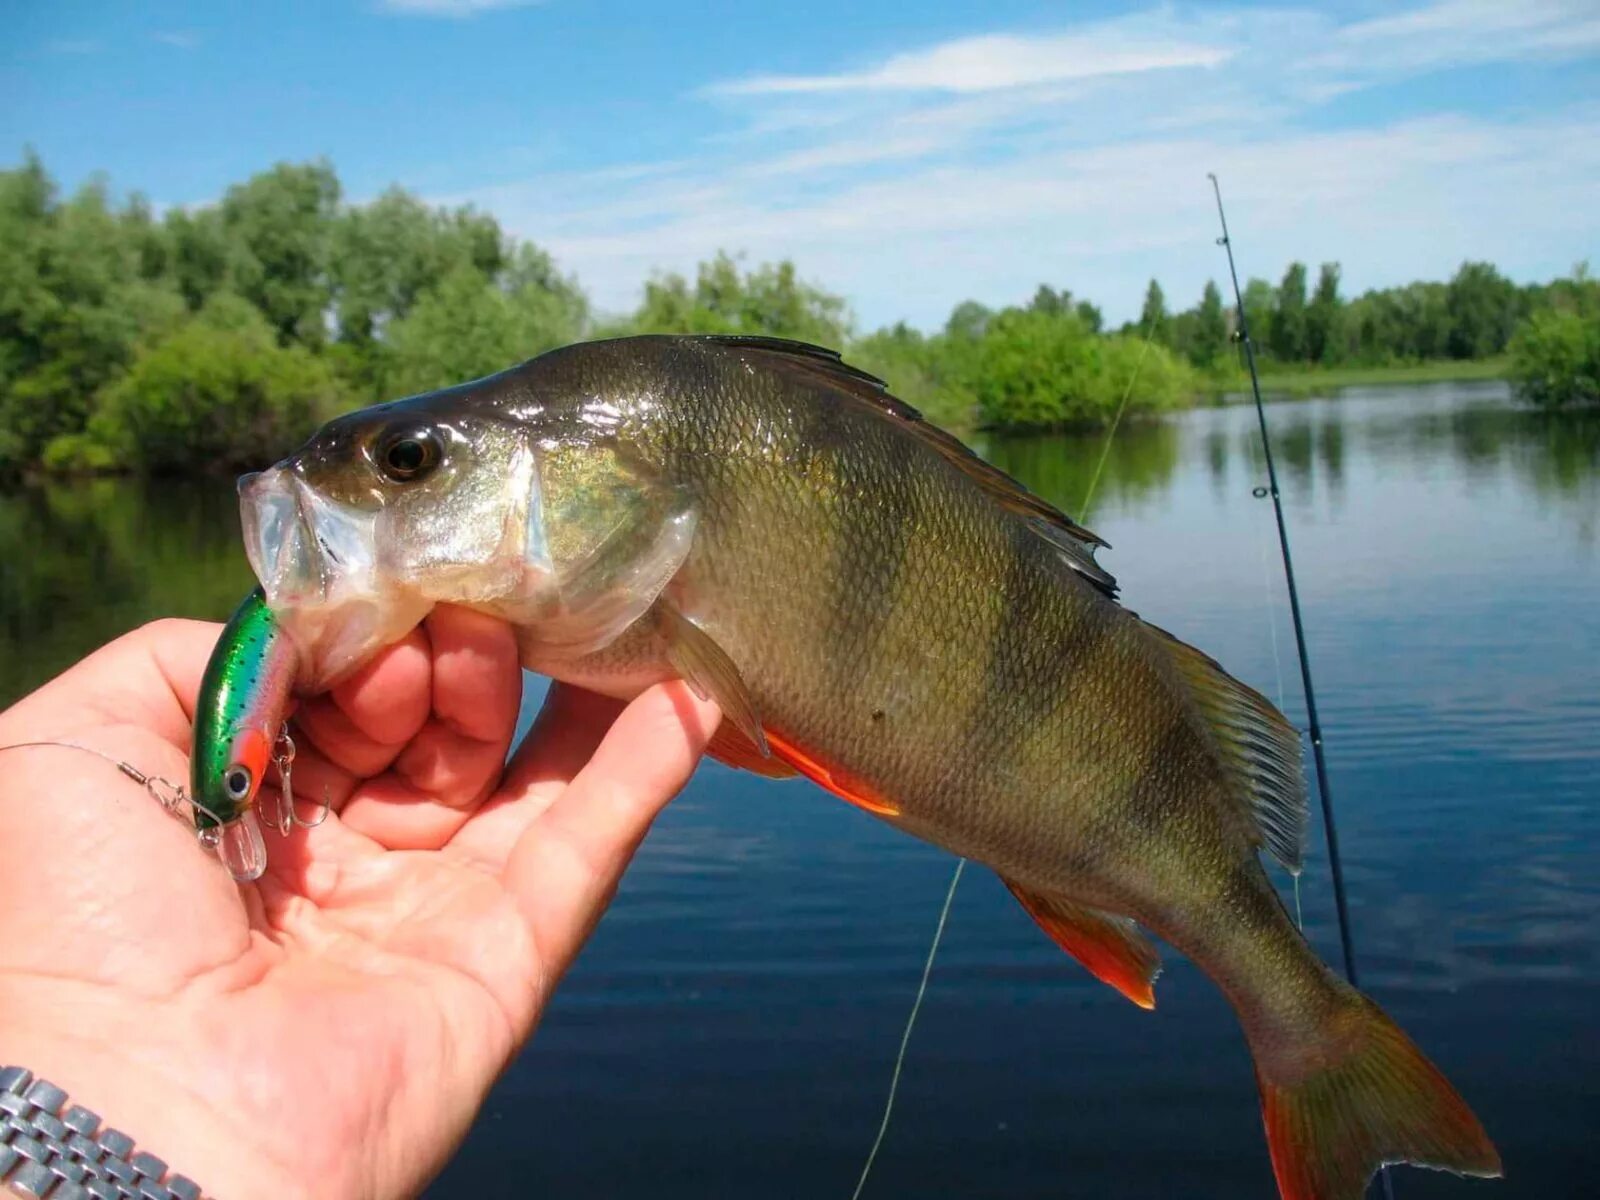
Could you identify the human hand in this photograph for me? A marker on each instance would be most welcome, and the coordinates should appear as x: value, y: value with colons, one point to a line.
x: 332, y: 1029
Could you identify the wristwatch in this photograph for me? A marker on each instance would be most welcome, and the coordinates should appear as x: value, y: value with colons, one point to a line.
x: 53, y: 1150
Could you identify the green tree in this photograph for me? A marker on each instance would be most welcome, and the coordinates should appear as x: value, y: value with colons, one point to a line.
x: 1260, y: 299
x: 769, y: 300
x: 1287, y: 338
x: 281, y: 222
x: 1323, y: 315
x: 1484, y: 307
x: 1153, y: 316
x: 202, y: 259
x: 1211, y: 329
x: 1047, y: 300
x: 467, y: 327
x: 74, y: 300
x: 968, y: 320
x: 920, y: 370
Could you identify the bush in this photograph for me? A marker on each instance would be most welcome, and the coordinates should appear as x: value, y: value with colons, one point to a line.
x: 1040, y: 371
x: 926, y: 372
x: 77, y: 454
x: 1555, y: 358
x: 216, y: 393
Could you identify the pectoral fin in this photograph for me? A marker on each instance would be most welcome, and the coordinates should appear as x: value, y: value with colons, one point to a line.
x: 1111, y: 947
x: 706, y: 668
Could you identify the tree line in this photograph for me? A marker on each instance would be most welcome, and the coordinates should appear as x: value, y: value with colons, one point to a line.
x: 217, y: 336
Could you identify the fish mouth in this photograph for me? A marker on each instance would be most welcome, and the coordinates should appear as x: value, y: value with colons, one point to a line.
x: 303, y: 548
x: 316, y: 560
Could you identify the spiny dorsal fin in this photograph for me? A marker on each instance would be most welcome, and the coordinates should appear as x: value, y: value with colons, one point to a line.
x: 1075, y: 543
x: 1257, y: 744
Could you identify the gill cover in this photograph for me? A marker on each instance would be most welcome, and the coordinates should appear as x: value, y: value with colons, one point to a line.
x: 351, y: 559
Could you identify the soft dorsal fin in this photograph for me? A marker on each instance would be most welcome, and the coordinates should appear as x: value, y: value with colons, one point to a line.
x: 1075, y: 543
x: 1258, y: 746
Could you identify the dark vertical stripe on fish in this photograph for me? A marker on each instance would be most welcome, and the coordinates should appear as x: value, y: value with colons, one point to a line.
x: 1152, y: 801
x: 1023, y: 678
x: 869, y: 559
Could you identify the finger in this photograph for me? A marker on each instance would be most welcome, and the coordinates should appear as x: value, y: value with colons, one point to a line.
x: 316, y: 781
x: 362, y: 724
x: 148, y: 678
x: 565, y: 867
x: 565, y: 735
x: 477, y: 688
x: 456, y: 758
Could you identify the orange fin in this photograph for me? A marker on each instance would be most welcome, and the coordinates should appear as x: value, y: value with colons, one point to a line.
x: 1111, y: 947
x: 1366, y: 1098
x: 730, y: 747
x: 822, y: 777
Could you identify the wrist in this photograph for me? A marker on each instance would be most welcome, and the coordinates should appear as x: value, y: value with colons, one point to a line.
x: 128, y: 1067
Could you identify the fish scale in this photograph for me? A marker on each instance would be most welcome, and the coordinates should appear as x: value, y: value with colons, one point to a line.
x: 875, y: 608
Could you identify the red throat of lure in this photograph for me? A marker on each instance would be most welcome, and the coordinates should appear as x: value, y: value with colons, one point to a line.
x: 239, y: 713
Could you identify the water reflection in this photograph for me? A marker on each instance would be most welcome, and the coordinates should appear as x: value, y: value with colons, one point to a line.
x: 1140, y: 461
x: 754, y: 976
x: 86, y: 560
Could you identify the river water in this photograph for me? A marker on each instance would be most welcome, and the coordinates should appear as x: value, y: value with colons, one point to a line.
x: 731, y: 1029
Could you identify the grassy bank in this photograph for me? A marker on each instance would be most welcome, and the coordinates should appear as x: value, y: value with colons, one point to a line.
x: 1307, y: 380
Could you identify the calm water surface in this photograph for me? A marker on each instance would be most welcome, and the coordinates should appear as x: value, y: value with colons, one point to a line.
x: 731, y: 1028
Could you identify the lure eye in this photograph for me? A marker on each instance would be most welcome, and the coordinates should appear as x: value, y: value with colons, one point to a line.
x: 237, y: 782
x: 408, y: 456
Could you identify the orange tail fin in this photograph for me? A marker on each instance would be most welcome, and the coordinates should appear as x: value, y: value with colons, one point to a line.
x: 1368, y: 1100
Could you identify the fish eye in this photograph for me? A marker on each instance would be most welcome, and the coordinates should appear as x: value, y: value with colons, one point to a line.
x: 237, y: 782
x: 408, y: 455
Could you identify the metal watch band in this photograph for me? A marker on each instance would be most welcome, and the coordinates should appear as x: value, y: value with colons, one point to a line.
x: 58, y: 1151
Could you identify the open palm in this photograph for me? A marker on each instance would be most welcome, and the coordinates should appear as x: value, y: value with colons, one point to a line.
x: 332, y: 1029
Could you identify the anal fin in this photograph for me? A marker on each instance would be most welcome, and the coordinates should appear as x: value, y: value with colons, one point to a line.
x: 822, y: 776
x: 1110, y: 947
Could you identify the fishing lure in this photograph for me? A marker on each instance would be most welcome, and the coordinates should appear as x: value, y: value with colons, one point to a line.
x: 239, y: 730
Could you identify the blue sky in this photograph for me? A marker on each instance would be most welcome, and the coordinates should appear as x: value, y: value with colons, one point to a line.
x: 906, y: 155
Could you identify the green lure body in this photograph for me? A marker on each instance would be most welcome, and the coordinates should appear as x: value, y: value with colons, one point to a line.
x: 239, y: 713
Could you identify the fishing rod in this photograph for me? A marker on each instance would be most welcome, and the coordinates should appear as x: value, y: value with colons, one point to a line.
x: 1335, y: 864
x: 1324, y: 792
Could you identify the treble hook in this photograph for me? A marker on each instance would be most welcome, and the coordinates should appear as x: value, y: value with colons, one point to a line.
x: 283, y: 758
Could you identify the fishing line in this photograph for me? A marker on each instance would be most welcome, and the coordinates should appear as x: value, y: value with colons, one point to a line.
x: 171, y: 796
x: 1314, y: 725
x: 905, y: 1037
x: 961, y: 863
x: 1268, y: 600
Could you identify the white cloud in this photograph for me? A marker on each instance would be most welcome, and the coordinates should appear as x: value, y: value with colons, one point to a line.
x: 450, y: 8
x: 179, y: 39
x: 1458, y: 33
x: 990, y: 62
x: 909, y: 198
